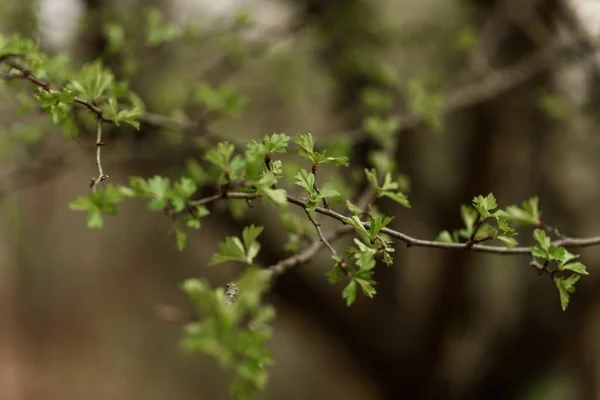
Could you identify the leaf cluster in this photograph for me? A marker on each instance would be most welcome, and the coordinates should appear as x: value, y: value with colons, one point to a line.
x: 482, y: 222
x: 565, y: 263
x: 236, y: 333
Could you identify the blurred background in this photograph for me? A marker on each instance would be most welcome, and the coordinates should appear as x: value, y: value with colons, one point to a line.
x: 495, y: 96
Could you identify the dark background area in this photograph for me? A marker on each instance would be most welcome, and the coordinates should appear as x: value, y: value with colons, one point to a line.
x: 519, y: 80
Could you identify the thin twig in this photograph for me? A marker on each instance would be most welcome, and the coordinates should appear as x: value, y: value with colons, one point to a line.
x: 101, y: 176
x: 315, y: 167
x: 471, y: 240
x: 320, y: 233
x: 411, y: 241
x: 553, y: 230
x: 28, y: 74
x: 307, y: 254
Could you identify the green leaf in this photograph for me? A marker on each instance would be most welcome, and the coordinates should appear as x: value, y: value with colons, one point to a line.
x: 158, y: 186
x: 445, y: 237
x: 335, y: 274
x: 556, y: 252
x: 349, y: 293
x: 567, y: 257
x: 181, y: 239
x: 367, y: 287
x: 388, y: 189
x: 538, y: 252
x: 306, y: 145
x: 277, y: 196
x: 115, y: 35
x: 575, y: 267
x: 94, y: 218
x: 249, y: 236
x: 469, y: 216
x: 305, y: 180
x: 377, y: 224
x: 328, y: 191
x: 224, y: 98
x: 365, y: 260
x: 484, y: 205
x: 376, y: 99
x: 383, y: 162
x: 131, y: 117
x: 372, y: 177
x: 543, y: 240
x: 353, y: 208
x: 231, y: 249
x: 398, y: 198
x: 157, y: 31
x: 529, y: 214
x: 221, y: 155
x: 195, y: 171
x: 503, y: 226
x: 508, y: 241
x: 93, y: 81
x: 320, y: 158
x: 381, y: 129
x: 423, y: 102
x: 277, y: 143
x: 186, y: 187
x: 566, y: 287
x: 48, y: 99
x: 358, y: 225
x: 81, y: 203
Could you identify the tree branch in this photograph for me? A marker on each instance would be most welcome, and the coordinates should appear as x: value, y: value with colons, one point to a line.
x: 101, y: 177
x: 320, y: 233
x: 307, y: 254
x: 412, y: 241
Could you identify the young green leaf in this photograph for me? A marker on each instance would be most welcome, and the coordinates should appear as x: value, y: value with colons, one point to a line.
x: 484, y: 205
x: 367, y: 286
x: 349, y: 293
x: 157, y: 30
x: 158, y: 186
x: 577, y: 267
x: 232, y: 249
x: 336, y: 273
x: 94, y: 218
x: 469, y: 216
x: 277, y: 143
x: 321, y: 158
x: 181, y: 237
x: 93, y: 81
x: 508, y: 241
x: 221, y: 155
x: 131, y: 117
x: 542, y: 239
x: 306, y: 180
x: 446, y: 237
x: 277, y: 196
x: 353, y: 208
x: 327, y: 190
x: 388, y: 189
x: 566, y: 287
x: 249, y: 236
x: 81, y: 203
x: 306, y: 145
x: 529, y: 214
x: 358, y: 225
